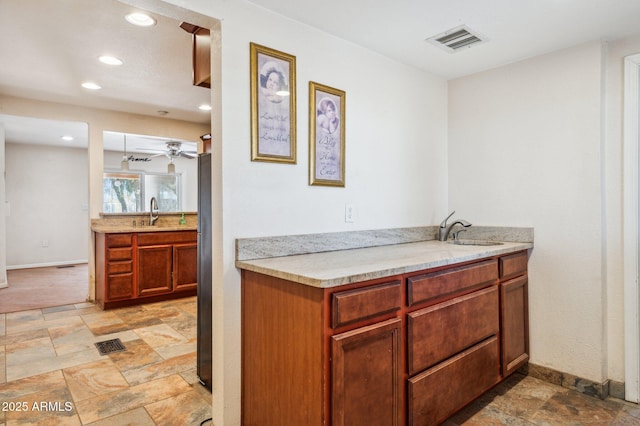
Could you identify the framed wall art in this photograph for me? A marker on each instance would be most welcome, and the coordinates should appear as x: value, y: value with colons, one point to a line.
x: 326, y: 135
x: 273, y: 105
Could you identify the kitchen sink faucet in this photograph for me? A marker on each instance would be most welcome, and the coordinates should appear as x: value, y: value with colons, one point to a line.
x: 443, y: 231
x: 153, y: 211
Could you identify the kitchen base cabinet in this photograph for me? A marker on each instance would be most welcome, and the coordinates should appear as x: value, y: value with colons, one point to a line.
x: 391, y: 351
x: 155, y: 265
x: 134, y: 268
x: 515, y: 320
x: 366, y: 382
x: 185, y: 266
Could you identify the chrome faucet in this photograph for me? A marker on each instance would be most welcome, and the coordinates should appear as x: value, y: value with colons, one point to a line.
x: 443, y: 231
x: 153, y: 211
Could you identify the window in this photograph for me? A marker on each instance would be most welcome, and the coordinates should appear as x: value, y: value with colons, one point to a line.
x: 125, y: 192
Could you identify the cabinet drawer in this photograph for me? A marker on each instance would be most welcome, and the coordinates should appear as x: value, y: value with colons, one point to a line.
x: 120, y: 287
x: 125, y: 253
x: 119, y: 240
x: 442, y: 390
x: 157, y: 238
x: 120, y: 267
x: 440, y: 331
x: 513, y: 265
x: 354, y: 305
x: 423, y: 288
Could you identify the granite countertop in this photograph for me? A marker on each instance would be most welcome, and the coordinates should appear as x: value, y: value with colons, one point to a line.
x: 122, y: 229
x: 112, y: 223
x: 334, y: 268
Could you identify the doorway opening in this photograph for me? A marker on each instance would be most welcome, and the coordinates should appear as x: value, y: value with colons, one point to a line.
x: 46, y: 212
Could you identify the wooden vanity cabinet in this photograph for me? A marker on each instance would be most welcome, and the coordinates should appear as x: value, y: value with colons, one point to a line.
x: 114, y: 267
x: 405, y: 350
x: 453, y: 342
x: 514, y: 312
x: 142, y: 267
x: 367, y: 375
x: 313, y: 356
x: 366, y: 361
x: 167, y: 261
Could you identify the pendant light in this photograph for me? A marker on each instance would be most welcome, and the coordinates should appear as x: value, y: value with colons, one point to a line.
x: 124, y: 164
x: 171, y: 169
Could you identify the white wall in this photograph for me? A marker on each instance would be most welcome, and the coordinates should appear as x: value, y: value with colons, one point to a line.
x: 395, y: 158
x: 3, y: 229
x: 525, y: 148
x: 48, y: 193
x: 186, y: 168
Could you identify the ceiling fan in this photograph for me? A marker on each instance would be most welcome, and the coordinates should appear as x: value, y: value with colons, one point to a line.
x: 174, y: 150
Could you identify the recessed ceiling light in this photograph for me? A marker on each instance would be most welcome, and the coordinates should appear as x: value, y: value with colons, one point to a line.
x: 110, y: 60
x: 66, y: 138
x: 140, y: 19
x: 204, y: 107
x: 91, y: 85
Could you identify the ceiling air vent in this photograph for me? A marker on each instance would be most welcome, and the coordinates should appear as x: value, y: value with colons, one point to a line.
x: 456, y: 39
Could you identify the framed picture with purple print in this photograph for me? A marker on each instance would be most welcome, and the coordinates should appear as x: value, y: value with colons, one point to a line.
x: 273, y: 105
x: 326, y: 135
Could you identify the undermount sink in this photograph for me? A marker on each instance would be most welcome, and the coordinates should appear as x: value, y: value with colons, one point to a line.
x: 475, y: 243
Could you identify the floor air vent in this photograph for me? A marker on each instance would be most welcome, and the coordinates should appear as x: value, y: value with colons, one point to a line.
x: 456, y: 39
x: 110, y: 346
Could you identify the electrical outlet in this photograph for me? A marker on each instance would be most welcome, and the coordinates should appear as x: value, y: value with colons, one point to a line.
x: 349, y: 213
x: 45, y: 243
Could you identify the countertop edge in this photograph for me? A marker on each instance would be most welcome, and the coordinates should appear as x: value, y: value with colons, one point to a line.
x: 126, y: 230
x: 328, y: 279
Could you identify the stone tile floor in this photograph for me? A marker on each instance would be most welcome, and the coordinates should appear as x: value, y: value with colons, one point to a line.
x: 52, y: 373
x: 525, y: 400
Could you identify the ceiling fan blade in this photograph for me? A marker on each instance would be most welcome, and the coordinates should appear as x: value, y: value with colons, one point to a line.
x: 187, y: 155
x: 159, y: 155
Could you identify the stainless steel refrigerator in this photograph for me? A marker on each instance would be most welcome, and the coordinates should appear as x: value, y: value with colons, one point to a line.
x: 204, y: 271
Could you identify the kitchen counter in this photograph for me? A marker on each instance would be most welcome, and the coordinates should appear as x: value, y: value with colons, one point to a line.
x: 120, y: 229
x: 335, y: 268
x: 112, y: 223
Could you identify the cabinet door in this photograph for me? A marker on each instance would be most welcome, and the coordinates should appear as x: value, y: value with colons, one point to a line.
x: 367, y: 376
x: 514, y: 315
x: 154, y: 270
x: 185, y: 266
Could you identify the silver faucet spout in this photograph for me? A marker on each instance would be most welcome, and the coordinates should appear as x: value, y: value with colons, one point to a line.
x: 443, y: 231
x: 153, y: 211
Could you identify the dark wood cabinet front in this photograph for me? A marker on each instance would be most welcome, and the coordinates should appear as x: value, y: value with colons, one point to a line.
x: 185, y: 266
x: 408, y: 349
x: 441, y: 331
x: 134, y: 268
x: 515, y: 324
x: 155, y: 264
x: 367, y: 375
x: 439, y: 392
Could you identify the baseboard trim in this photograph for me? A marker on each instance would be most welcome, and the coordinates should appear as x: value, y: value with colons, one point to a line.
x: 47, y: 264
x: 569, y: 381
